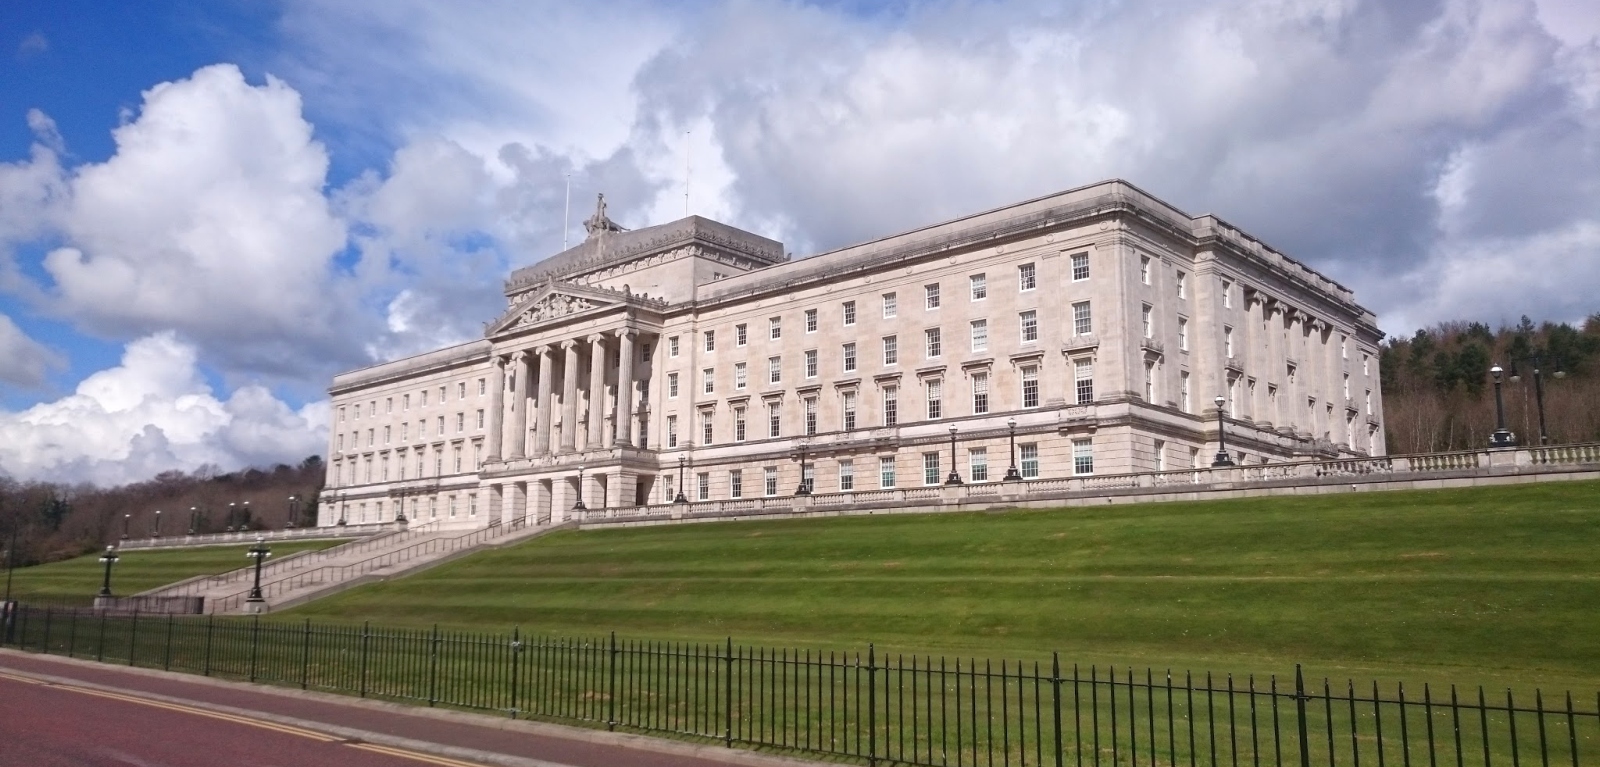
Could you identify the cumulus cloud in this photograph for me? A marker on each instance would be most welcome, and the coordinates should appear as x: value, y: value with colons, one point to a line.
x: 26, y: 360
x: 152, y: 413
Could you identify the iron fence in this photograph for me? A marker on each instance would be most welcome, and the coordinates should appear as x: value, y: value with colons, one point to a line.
x: 859, y: 706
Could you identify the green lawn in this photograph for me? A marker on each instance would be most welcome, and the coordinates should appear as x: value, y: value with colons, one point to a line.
x: 1494, y: 586
x: 76, y: 581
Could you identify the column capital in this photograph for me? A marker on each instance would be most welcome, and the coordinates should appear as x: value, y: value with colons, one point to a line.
x: 541, y: 349
x: 516, y: 357
x: 595, y: 338
x: 568, y: 344
x: 625, y: 332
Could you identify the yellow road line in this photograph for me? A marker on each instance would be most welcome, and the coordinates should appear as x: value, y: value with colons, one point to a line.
x: 417, y: 755
x: 20, y: 678
x: 261, y: 723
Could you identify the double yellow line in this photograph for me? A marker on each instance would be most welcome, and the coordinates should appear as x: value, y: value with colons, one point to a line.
x: 261, y: 723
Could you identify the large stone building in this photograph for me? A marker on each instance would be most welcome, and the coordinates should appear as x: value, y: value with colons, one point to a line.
x: 1101, y: 322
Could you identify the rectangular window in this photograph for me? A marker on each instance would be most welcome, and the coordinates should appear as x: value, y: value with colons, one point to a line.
x: 1227, y: 294
x: 847, y: 476
x: 774, y: 419
x: 1183, y: 391
x: 483, y: 388
x: 774, y: 328
x: 930, y: 294
x: 1183, y: 334
x: 741, y: 334
x: 1030, y: 385
x: 672, y: 346
x: 1080, y: 267
x: 1030, y: 326
x: 891, y: 405
x: 1030, y: 460
x: 385, y: 435
x: 1369, y: 402
x: 930, y: 468
x: 707, y: 430
x: 980, y: 335
x: 932, y: 338
x: 702, y: 490
x: 891, y: 350
x: 980, y: 393
x: 1344, y: 349
x: 1150, y: 382
x: 1183, y: 285
x: 461, y: 423
x: 1227, y: 342
x: 672, y: 431
x: 1148, y: 315
x: 935, y: 400
x: 886, y: 472
x: 1083, y: 456
x: 672, y: 385
x: 1346, y: 396
x: 1365, y: 360
x: 736, y: 484
x: 667, y: 494
x: 480, y: 418
x: 456, y: 458
x: 850, y: 357
x: 1144, y: 269
x: 708, y: 378
x: 811, y: 320
x: 461, y: 390
x: 1082, y: 320
x: 740, y: 376
x: 849, y: 313
x: 738, y: 424
x: 711, y: 340
x: 1161, y: 455
x: 358, y: 412
x: 1083, y: 380
x: 341, y: 442
x: 980, y: 286
x: 849, y: 411
x: 811, y: 363
x: 978, y: 464
x: 770, y: 483
x: 1026, y: 277
x: 774, y: 370
x: 388, y: 404
x: 890, y: 305
x: 809, y: 406
x: 440, y: 430
x: 1291, y: 371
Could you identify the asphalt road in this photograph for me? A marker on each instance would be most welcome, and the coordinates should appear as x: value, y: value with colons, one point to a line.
x: 59, y: 713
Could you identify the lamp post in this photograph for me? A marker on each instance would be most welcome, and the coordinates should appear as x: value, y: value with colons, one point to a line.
x: 127, y: 519
x: 955, y: 476
x: 579, y: 505
x: 294, y: 510
x: 400, y: 511
x: 194, y: 518
x: 244, y: 516
x: 1222, y: 444
x: 155, y: 528
x: 259, y: 553
x: 1012, y: 475
x: 681, y: 497
x: 1502, y: 437
x: 232, y: 510
x: 804, y: 487
x: 109, y: 558
x: 1537, y: 361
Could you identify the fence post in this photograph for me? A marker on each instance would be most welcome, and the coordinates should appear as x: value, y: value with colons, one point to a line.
x: 45, y: 646
x: 1300, y: 713
x: 727, y: 695
x: 166, y: 653
x: 100, y: 647
x: 255, y: 642
x: 1055, y: 696
x: 364, y: 633
x: 611, y: 686
x: 211, y: 621
x: 433, y: 668
x: 305, y: 656
x: 516, y: 649
x: 872, y: 705
x: 133, y: 636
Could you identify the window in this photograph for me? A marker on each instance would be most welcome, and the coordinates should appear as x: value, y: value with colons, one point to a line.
x: 1030, y: 460
x: 1146, y: 316
x: 341, y: 442
x: 890, y: 305
x: 978, y: 464
x: 707, y: 425
x: 979, y: 284
x: 1194, y: 457
x: 849, y: 406
x: 405, y: 404
x: 1291, y: 372
x: 774, y: 370
x: 385, y: 435
x: 1183, y: 391
x: 1346, y: 396
x: 811, y: 320
x: 421, y: 462
x: 1083, y: 456
x: 1082, y: 322
x: 439, y: 431
x: 891, y: 405
x: 672, y: 431
x: 384, y: 476
x: 672, y: 346
x: 666, y: 488
x: 1364, y: 369
x: 850, y: 357
x: 480, y: 418
x: 891, y: 350
x: 461, y: 422
x: 456, y: 458
x: 740, y: 376
x: 809, y: 407
x: 1369, y: 402
x: 735, y: 484
x: 934, y: 347
x: 930, y: 295
x: 644, y: 355
x: 1227, y: 342
x: 1026, y: 278
x: 1080, y: 267
x: 774, y: 419
x: 461, y: 390
x: 1161, y: 455
x: 711, y: 340
x: 847, y: 476
x: 1030, y: 385
x: 483, y: 388
x: 930, y: 468
x: 935, y: 400
x: 708, y: 378
x: 1144, y: 269
x: 1227, y: 294
x: 980, y: 335
x: 388, y: 404
x: 424, y: 402
x: 738, y: 424
x: 1149, y: 382
x: 774, y: 328
x: 702, y: 490
x: 1344, y: 350
x: 1030, y: 326
x: 1183, y: 334
x: 811, y: 363
x: 849, y: 313
x: 741, y: 334
x: 886, y: 472
x: 770, y: 487
x: 358, y: 412
x: 672, y: 385
x: 980, y: 393
x: 1183, y: 285
x: 1083, y: 380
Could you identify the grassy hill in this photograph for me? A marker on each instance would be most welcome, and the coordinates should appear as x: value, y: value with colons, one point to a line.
x: 76, y: 581
x: 1493, y: 585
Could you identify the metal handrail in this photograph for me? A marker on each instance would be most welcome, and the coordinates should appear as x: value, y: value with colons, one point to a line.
x: 292, y: 563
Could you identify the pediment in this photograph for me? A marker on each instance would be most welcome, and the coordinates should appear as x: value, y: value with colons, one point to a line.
x: 553, y: 303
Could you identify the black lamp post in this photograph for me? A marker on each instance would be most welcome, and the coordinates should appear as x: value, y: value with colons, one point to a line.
x: 194, y: 518
x: 259, y: 553
x: 400, y: 511
x: 681, y: 497
x: 233, y: 511
x: 1537, y: 360
x: 294, y: 510
x: 109, y: 558
x: 341, y: 504
x: 244, y: 516
x: 579, y: 506
x: 1222, y: 445
x: 805, y: 487
x: 155, y: 528
x: 1012, y: 475
x: 955, y: 476
x: 127, y: 519
x: 1502, y: 437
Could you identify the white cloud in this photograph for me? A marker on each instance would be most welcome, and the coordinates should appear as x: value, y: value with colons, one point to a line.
x: 152, y: 413
x: 26, y: 360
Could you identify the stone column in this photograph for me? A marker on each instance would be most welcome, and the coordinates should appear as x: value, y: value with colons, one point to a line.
x: 569, y: 397
x: 519, y: 406
x: 597, y: 391
x: 497, y: 404
x: 541, y: 436
x: 625, y: 388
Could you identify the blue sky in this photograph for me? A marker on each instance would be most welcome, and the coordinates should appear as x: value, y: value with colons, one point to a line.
x: 208, y: 209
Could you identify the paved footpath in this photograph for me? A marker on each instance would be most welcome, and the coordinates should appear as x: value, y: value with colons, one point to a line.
x: 56, y: 712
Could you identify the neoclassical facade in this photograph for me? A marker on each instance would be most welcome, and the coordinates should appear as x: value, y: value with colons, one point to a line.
x: 1093, y: 329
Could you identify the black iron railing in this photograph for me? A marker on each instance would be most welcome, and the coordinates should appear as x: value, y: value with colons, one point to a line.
x: 861, y: 706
